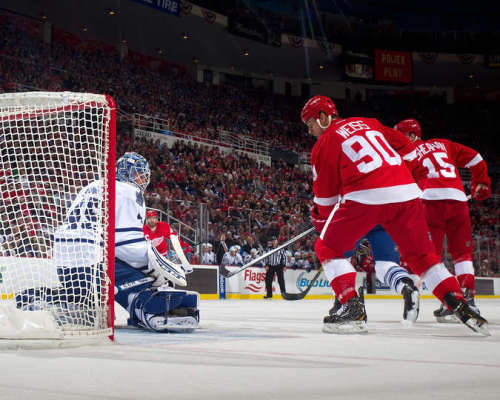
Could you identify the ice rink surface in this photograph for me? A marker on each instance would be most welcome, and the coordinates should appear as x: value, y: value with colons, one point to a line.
x: 256, y: 349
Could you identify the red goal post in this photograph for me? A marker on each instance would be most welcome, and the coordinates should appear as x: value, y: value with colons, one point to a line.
x: 57, y: 183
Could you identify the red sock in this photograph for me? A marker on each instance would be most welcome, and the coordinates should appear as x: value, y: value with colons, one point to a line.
x: 466, y: 282
x: 446, y: 286
x: 343, y: 286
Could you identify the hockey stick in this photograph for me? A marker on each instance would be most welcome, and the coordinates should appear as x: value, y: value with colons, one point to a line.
x: 301, y: 295
x: 180, y: 254
x: 128, y: 285
x: 225, y: 273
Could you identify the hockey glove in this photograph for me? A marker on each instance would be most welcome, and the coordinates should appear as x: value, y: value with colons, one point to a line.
x: 481, y: 191
x: 163, y: 270
x: 317, y: 220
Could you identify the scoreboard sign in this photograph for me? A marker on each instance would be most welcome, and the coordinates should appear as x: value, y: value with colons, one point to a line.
x: 168, y: 6
x: 393, y: 66
x: 492, y: 60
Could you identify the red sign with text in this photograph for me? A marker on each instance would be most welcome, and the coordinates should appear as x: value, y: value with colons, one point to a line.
x: 393, y: 66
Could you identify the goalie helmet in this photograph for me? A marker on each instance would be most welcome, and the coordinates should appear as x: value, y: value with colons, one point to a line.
x: 131, y: 164
x: 408, y: 126
x: 317, y: 104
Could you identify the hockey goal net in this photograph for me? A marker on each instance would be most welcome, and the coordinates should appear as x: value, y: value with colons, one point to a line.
x: 57, y: 168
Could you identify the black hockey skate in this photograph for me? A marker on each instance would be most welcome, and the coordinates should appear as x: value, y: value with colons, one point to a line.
x: 465, y: 314
x: 337, y: 304
x: 444, y: 315
x: 469, y: 298
x: 336, y: 307
x: 411, y: 297
x: 349, y: 318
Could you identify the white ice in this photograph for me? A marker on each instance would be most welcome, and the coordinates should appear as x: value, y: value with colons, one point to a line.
x: 256, y: 349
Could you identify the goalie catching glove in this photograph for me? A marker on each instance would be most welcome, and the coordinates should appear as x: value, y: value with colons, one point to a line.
x: 164, y: 270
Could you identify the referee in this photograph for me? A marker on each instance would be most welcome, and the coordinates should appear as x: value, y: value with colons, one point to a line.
x: 274, y: 265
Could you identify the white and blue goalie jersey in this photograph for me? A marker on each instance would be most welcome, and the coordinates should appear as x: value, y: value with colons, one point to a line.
x: 78, y: 242
x: 130, y: 211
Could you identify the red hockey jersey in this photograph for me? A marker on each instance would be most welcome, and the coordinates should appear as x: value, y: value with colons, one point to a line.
x: 357, y: 159
x: 437, y: 174
x: 158, y: 236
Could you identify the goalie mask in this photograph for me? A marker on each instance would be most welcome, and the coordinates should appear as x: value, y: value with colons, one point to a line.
x: 134, y: 169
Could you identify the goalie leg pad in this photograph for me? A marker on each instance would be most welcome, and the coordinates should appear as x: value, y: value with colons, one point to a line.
x: 128, y: 280
x: 75, y: 286
x: 164, y: 310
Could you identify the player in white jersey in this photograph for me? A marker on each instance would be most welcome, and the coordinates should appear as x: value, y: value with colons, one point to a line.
x: 207, y: 255
x: 141, y: 273
x: 232, y: 257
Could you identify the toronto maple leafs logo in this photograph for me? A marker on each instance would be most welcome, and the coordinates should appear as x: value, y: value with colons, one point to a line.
x: 139, y: 198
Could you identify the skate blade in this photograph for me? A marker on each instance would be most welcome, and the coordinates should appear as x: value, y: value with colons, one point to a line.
x: 353, y: 327
x: 448, y: 319
x: 411, y: 316
x: 479, y: 328
x: 407, y: 323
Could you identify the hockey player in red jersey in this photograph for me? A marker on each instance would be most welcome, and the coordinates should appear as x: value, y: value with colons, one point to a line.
x: 159, y: 232
x: 360, y: 181
x: 445, y: 202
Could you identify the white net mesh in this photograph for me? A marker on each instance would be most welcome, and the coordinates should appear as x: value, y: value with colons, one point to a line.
x: 55, y: 206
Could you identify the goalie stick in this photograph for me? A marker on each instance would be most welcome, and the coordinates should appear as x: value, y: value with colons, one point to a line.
x: 180, y: 254
x: 225, y: 273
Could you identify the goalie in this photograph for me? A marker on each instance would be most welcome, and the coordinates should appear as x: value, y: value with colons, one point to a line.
x: 143, y: 277
x: 151, y: 302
